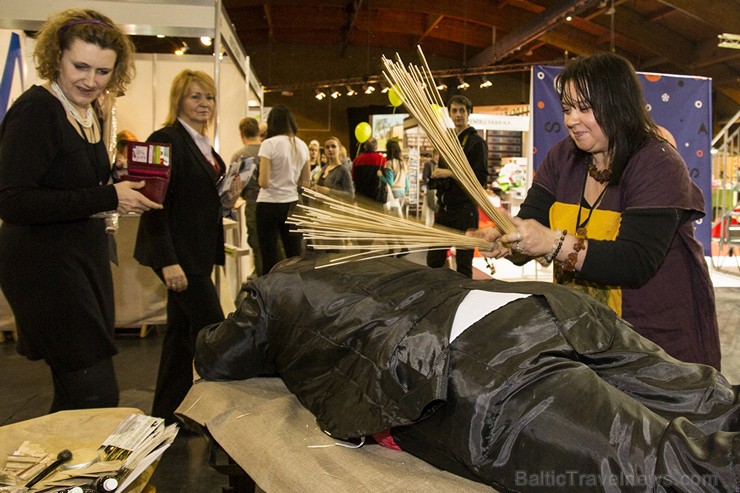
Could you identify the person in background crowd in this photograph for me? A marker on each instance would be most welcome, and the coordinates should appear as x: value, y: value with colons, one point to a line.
x: 365, y: 169
x: 184, y: 241
x: 284, y: 167
x: 249, y: 130
x: 263, y: 130
x: 334, y: 178
x: 314, y: 157
x: 395, y: 172
x: 344, y: 159
x: 54, y: 183
x: 613, y: 206
x: 455, y: 208
x: 429, y: 166
x: 430, y: 195
x: 120, y: 165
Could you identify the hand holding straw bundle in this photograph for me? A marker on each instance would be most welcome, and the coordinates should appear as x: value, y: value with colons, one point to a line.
x: 340, y: 226
x: 417, y: 88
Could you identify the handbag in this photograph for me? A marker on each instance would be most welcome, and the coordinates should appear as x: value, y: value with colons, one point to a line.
x: 150, y: 162
x: 381, y: 195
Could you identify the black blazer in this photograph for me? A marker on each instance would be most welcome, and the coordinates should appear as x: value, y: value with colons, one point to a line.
x: 189, y: 230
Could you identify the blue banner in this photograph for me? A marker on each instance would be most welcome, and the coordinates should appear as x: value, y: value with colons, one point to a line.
x: 680, y: 104
x: 12, y: 60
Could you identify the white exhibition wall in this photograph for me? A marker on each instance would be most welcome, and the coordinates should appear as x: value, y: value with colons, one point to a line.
x: 144, y: 107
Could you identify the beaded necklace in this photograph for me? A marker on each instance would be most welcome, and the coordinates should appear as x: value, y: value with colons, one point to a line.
x: 602, y: 176
x: 86, y: 122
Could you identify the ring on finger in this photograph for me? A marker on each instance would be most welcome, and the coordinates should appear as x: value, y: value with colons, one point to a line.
x: 518, y: 236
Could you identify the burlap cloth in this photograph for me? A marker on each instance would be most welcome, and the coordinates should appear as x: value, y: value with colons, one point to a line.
x: 272, y: 437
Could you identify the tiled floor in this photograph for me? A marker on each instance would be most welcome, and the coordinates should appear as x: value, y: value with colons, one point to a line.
x: 26, y: 391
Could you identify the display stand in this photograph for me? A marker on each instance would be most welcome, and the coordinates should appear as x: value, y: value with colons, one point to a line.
x: 416, y: 143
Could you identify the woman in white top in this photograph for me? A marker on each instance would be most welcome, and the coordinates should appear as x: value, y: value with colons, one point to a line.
x: 284, y: 167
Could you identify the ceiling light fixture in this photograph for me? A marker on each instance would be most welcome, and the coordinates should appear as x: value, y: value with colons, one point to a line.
x: 206, y: 41
x: 441, y: 86
x: 350, y: 91
x: 320, y: 94
x: 335, y: 93
x: 182, y: 49
x: 485, y: 82
x: 729, y: 41
x: 462, y: 85
x: 368, y: 88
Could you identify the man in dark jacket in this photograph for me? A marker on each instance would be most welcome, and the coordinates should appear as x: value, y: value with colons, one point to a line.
x: 365, y: 169
x: 516, y: 385
x: 455, y: 208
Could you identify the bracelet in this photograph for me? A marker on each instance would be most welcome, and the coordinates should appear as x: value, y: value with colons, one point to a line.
x: 557, y: 245
x: 570, y: 264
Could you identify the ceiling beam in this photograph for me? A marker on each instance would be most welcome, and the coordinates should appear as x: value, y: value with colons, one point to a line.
x: 355, y: 6
x: 432, y: 23
x: 708, y: 53
x: 717, y: 14
x: 529, y: 32
x: 654, y: 37
x: 660, y: 14
x: 268, y: 18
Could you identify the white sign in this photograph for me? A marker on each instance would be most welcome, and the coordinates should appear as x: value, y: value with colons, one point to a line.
x: 483, y: 121
x: 499, y: 122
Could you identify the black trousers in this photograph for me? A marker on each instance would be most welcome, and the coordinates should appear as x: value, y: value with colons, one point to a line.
x: 88, y: 388
x: 272, y: 230
x: 187, y: 313
x: 461, y: 217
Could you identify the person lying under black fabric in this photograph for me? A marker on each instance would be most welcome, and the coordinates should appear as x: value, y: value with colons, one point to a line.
x: 519, y: 385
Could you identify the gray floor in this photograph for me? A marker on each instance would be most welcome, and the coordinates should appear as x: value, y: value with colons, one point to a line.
x: 26, y: 393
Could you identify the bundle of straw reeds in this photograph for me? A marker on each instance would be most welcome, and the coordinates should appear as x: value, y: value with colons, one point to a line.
x: 416, y: 86
x: 341, y: 226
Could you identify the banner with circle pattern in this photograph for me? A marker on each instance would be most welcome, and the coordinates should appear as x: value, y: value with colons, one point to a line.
x: 680, y: 104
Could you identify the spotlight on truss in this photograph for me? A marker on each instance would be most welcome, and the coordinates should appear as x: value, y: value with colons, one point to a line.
x: 728, y: 41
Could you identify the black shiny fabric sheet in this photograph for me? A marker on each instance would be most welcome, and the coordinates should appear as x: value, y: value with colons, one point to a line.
x: 548, y: 392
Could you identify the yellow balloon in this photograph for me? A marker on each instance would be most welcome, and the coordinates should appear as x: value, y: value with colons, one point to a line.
x: 363, y: 132
x: 438, y: 112
x: 395, y: 98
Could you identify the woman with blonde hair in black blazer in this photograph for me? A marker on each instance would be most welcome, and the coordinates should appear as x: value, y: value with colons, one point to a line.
x: 183, y: 241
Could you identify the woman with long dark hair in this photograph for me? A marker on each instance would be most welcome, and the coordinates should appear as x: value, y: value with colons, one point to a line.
x: 395, y: 173
x: 284, y: 167
x: 613, y: 206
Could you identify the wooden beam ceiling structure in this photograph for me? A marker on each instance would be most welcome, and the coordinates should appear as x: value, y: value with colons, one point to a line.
x: 664, y: 36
